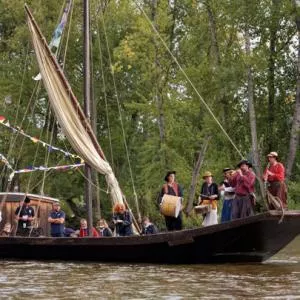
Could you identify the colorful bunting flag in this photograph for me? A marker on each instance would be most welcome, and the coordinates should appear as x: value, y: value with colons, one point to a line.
x: 36, y: 140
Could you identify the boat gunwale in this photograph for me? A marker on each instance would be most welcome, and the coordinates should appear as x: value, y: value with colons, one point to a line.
x: 182, y: 236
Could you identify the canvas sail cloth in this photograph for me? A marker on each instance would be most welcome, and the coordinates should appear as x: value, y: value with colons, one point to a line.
x: 68, y: 111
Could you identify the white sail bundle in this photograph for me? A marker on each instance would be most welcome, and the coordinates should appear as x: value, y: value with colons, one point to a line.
x: 68, y: 111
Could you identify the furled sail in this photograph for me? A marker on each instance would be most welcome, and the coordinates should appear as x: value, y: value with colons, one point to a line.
x: 68, y: 111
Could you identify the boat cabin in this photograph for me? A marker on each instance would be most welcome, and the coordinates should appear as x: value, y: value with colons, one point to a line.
x: 42, y: 206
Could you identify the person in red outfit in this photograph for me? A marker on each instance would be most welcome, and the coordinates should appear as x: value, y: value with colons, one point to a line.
x: 84, y: 229
x: 243, y: 181
x: 275, y: 175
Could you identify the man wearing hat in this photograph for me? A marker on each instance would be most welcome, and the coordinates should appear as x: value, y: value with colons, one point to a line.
x: 24, y: 215
x: 57, y: 220
x: 229, y: 193
x: 243, y: 181
x: 275, y: 175
x: 172, y: 188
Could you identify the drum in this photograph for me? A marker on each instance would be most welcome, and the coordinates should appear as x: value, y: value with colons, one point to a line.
x: 202, y: 209
x: 170, y: 205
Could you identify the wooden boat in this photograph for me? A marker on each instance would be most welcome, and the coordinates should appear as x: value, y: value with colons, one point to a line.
x: 253, y: 239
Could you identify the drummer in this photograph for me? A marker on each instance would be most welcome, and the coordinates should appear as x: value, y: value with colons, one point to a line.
x: 209, y: 196
x: 172, y: 188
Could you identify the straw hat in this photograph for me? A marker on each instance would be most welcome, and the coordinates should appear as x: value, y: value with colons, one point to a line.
x: 273, y: 154
x: 207, y: 174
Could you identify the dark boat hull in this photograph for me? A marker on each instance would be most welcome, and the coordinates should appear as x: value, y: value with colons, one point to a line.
x: 253, y: 239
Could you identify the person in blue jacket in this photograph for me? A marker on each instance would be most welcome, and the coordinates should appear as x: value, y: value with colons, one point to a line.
x: 57, y: 220
x: 148, y: 227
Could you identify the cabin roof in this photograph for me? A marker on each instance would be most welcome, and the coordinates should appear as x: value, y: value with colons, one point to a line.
x: 16, y: 197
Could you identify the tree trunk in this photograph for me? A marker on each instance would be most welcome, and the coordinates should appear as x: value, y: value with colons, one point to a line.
x: 271, y: 76
x: 213, y: 33
x: 294, y: 138
x: 195, y: 176
x: 252, y: 117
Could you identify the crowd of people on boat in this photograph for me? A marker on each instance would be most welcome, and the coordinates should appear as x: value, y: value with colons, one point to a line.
x: 237, y: 190
x: 121, y: 224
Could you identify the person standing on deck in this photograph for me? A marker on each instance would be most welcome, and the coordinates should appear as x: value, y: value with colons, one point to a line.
x: 24, y: 215
x: 229, y: 193
x: 243, y: 181
x: 123, y: 220
x: 209, y: 196
x: 275, y: 175
x: 172, y: 188
x: 57, y: 220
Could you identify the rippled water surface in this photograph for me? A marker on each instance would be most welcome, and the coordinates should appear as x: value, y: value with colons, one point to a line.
x: 278, y: 278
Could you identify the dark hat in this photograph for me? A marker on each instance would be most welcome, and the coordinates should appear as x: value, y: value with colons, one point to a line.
x: 227, y: 169
x: 244, y: 161
x: 27, y: 200
x: 168, y: 174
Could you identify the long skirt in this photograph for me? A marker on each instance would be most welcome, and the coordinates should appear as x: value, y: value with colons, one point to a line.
x: 242, y: 207
x: 173, y: 223
x: 211, y: 218
x: 278, y: 189
x: 226, y: 210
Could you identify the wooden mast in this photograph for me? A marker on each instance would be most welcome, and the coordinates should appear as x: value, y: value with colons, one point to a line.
x: 87, y: 110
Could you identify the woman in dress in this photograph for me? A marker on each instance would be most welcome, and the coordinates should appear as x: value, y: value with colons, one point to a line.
x: 209, y: 196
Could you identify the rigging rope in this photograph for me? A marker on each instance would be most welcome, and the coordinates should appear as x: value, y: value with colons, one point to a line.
x: 105, y: 97
x: 120, y: 115
x: 13, y: 138
x: 36, y: 140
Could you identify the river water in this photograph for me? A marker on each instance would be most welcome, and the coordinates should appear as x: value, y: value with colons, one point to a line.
x: 278, y: 278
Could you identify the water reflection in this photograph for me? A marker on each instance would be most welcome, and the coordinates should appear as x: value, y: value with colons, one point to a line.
x: 278, y: 278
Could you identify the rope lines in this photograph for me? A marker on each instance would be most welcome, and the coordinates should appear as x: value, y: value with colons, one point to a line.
x: 120, y: 114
